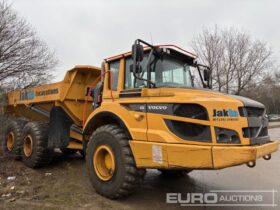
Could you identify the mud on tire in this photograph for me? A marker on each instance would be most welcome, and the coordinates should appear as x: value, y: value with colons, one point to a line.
x: 10, y: 145
x: 34, y: 145
x: 126, y: 177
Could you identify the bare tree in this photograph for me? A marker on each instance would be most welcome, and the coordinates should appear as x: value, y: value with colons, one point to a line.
x: 25, y: 60
x: 235, y: 58
x: 267, y: 92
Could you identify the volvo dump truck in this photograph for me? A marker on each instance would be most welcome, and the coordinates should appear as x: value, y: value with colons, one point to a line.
x: 142, y: 109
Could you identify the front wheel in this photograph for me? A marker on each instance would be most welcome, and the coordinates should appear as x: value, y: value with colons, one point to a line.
x: 110, y: 162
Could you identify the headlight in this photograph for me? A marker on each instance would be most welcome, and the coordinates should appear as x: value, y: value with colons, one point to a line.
x: 224, y: 135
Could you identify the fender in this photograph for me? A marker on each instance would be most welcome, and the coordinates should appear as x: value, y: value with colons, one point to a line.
x: 103, y: 118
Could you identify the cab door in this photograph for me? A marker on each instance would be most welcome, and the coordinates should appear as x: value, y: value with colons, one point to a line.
x: 132, y: 105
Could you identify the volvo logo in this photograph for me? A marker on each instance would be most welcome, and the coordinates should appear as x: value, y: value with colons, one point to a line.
x: 157, y: 107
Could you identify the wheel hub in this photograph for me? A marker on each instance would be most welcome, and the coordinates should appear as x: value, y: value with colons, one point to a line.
x: 104, y: 162
x: 28, y: 146
x: 10, y: 141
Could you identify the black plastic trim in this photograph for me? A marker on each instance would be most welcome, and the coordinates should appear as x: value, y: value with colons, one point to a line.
x: 174, y: 109
x: 130, y: 95
x: 131, y: 90
x: 205, y: 135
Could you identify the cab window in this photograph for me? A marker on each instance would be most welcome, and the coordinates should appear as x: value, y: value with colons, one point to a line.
x: 114, y: 66
x: 129, y: 77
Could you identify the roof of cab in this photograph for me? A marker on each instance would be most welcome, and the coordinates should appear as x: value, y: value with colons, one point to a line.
x: 167, y: 46
x: 85, y: 67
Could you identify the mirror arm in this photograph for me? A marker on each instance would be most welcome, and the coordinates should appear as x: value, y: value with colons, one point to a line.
x: 141, y: 41
x: 200, y: 75
x: 138, y: 41
x: 208, y: 81
x: 198, y: 65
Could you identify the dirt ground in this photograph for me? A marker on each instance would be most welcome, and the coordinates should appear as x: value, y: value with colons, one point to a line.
x: 64, y: 184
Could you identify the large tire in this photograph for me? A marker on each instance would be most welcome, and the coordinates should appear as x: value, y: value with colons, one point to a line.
x: 175, y: 172
x: 34, y: 146
x: 123, y: 176
x: 10, y: 145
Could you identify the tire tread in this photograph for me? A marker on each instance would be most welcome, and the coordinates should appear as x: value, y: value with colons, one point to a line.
x: 133, y: 176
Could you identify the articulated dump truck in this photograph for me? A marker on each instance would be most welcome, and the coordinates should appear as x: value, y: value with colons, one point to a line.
x: 140, y: 110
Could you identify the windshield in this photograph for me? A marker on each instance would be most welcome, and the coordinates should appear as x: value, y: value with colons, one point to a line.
x: 170, y: 72
x: 165, y: 72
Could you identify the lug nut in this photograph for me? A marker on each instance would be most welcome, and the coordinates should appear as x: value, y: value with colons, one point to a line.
x: 267, y: 157
x: 251, y: 164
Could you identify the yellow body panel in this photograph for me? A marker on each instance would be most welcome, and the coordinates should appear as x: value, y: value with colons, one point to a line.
x: 75, y: 135
x: 162, y: 155
x: 136, y: 127
x: 75, y: 145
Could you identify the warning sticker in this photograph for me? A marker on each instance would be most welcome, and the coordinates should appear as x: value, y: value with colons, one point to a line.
x: 157, y: 154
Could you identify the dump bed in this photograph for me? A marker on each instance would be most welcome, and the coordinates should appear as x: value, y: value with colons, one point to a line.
x: 36, y: 103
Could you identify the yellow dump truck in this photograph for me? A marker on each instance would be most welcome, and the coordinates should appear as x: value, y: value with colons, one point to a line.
x: 140, y: 110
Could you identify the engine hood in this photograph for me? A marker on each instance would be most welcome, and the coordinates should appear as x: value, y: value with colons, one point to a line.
x: 248, y: 102
x: 203, y: 95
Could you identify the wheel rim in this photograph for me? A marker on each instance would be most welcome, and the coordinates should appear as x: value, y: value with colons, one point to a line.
x: 28, y: 146
x: 104, y: 162
x: 10, y: 141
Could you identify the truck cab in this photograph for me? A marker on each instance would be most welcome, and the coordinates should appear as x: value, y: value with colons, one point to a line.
x: 171, y: 121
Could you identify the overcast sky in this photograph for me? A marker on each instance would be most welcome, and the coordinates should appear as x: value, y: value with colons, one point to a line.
x: 87, y: 31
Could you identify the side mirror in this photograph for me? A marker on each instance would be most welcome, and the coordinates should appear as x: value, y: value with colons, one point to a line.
x: 138, y: 68
x: 206, y: 75
x: 137, y: 52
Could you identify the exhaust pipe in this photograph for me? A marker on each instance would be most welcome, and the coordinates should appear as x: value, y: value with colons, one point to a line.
x: 267, y: 157
x: 251, y: 164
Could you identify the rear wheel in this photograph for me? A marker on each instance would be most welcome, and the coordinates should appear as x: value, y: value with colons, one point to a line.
x: 110, y: 163
x: 175, y: 172
x: 11, y: 143
x: 34, y: 146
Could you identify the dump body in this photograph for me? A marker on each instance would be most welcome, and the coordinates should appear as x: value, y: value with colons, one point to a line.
x: 37, y: 102
x: 61, y: 104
